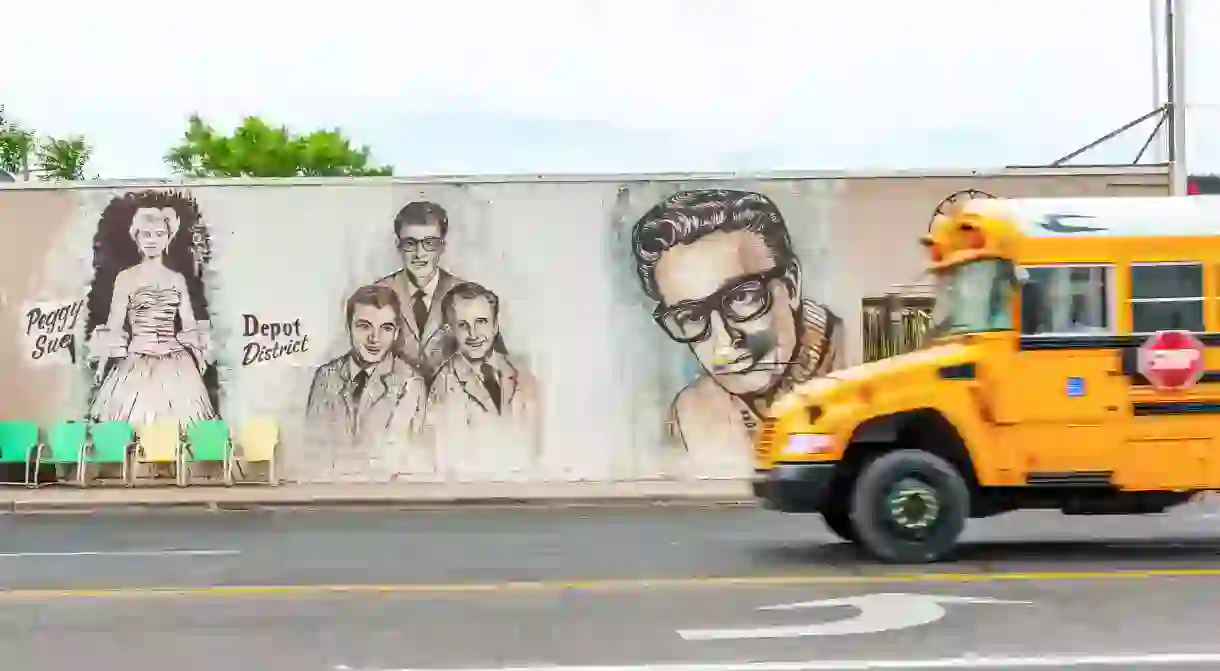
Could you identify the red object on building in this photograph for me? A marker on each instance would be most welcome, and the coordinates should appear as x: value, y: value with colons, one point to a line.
x: 1203, y: 185
x: 1171, y: 359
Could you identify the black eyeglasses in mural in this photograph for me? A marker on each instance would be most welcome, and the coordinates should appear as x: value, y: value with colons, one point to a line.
x: 746, y: 298
x: 430, y: 244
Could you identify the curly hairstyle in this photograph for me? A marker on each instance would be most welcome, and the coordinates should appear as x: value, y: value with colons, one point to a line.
x: 687, y: 216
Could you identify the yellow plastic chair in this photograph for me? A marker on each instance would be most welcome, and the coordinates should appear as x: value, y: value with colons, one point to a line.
x: 257, y: 442
x: 160, y: 443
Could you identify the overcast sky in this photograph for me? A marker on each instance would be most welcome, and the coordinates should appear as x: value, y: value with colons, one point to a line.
x: 611, y: 85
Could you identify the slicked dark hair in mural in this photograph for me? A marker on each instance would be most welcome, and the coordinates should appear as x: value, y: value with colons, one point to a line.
x: 373, y: 296
x: 422, y: 212
x: 687, y: 216
x: 147, y: 322
x: 720, y: 264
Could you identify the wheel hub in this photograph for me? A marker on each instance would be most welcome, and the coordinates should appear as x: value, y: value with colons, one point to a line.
x: 913, y: 505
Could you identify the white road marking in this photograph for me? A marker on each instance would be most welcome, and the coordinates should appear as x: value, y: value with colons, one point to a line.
x: 949, y: 663
x: 124, y: 553
x: 877, y: 613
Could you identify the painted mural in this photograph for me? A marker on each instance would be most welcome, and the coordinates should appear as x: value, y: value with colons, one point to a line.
x: 428, y: 387
x: 420, y: 229
x: 438, y: 332
x: 727, y: 284
x: 148, y: 327
x: 369, y: 395
x: 483, y: 406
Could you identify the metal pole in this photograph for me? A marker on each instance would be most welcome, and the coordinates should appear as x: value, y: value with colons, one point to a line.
x: 1177, y: 95
x: 1158, y: 139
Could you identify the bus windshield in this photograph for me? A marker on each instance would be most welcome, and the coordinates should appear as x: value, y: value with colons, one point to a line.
x: 973, y: 297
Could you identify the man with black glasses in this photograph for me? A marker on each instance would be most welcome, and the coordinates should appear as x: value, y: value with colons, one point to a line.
x: 727, y: 283
x: 421, y: 284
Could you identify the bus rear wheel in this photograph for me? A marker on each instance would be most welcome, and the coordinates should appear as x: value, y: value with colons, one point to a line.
x: 909, y: 507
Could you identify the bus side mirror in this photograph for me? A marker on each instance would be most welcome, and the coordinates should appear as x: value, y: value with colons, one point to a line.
x: 1020, y: 274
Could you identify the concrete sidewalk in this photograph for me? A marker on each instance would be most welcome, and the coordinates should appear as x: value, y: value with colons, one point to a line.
x: 62, y: 497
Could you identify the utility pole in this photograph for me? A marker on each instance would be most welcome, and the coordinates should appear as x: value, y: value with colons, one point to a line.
x: 1176, y: 28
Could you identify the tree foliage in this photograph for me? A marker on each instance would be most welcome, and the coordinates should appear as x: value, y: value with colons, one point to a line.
x: 16, y: 145
x: 63, y: 158
x: 257, y: 149
x: 22, y: 152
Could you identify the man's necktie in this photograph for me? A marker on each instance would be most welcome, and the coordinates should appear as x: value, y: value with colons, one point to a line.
x: 491, y: 382
x: 420, y: 310
x: 361, y: 380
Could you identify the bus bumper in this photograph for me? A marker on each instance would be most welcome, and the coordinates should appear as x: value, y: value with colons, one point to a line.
x: 794, y: 488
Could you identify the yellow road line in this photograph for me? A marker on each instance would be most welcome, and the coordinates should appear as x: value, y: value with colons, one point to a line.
x: 624, y: 585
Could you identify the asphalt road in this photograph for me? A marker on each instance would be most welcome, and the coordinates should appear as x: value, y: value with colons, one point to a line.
x: 578, y: 587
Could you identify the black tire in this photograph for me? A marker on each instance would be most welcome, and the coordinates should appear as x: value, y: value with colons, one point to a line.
x: 878, y: 528
x: 838, y: 519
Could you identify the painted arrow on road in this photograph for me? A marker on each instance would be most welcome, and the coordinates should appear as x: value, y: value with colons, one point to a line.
x: 878, y: 612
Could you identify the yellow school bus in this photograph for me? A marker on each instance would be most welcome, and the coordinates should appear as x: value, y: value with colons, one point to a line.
x: 1033, y: 389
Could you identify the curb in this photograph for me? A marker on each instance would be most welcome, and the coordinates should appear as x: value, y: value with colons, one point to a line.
x: 365, y: 503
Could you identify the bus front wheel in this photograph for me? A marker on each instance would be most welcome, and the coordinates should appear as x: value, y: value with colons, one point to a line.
x: 909, y: 506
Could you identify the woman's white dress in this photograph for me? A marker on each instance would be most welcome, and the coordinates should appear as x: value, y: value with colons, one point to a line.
x: 158, y: 373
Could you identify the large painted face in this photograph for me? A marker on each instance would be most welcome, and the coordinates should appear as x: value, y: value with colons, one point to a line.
x: 151, y: 230
x: 421, y: 246
x: 726, y: 297
x: 474, y: 324
x: 373, y: 331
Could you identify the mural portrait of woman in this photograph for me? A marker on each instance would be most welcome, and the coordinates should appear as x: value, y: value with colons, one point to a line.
x: 148, y: 325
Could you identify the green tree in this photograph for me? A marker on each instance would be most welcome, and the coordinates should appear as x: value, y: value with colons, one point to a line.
x: 256, y: 149
x: 63, y: 158
x: 22, y: 152
x: 16, y: 146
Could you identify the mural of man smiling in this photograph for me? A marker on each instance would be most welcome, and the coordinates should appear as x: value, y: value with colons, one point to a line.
x: 721, y: 267
x: 369, y: 397
x: 483, y: 404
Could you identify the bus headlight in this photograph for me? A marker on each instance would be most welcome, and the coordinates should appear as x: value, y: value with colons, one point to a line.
x: 806, y: 444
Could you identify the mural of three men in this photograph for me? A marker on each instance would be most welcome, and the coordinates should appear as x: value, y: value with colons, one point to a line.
x: 427, y: 367
x: 427, y: 357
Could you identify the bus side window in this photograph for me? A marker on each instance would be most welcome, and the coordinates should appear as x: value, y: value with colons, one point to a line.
x: 1166, y: 296
x: 1067, y: 300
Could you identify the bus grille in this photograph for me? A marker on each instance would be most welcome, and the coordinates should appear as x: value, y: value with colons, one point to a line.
x: 766, y: 438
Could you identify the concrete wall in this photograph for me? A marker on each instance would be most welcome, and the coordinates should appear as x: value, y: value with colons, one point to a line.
x: 140, y: 301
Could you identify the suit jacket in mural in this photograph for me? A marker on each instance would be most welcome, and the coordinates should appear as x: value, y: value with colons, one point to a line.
x: 388, y: 411
x: 717, y: 428
x: 475, y: 440
x: 427, y: 350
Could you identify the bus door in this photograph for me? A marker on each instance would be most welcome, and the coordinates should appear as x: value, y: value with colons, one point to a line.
x: 1073, y: 395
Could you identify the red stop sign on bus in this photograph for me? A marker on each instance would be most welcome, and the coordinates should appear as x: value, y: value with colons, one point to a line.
x: 1171, y: 359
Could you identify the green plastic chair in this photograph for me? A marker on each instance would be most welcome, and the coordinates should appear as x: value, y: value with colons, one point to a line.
x: 65, y: 445
x: 110, y: 443
x: 208, y: 440
x: 18, y: 440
